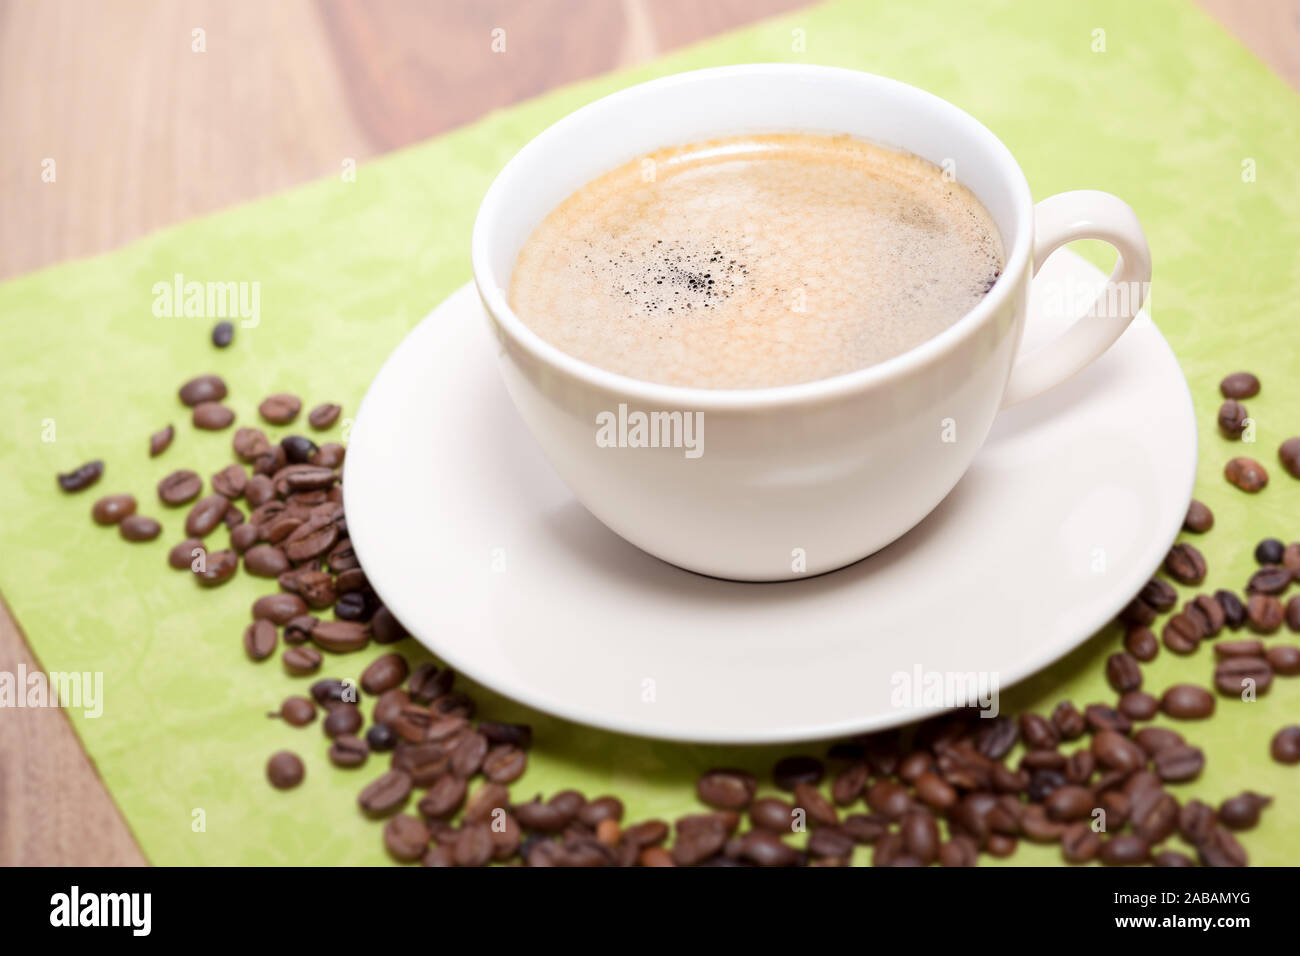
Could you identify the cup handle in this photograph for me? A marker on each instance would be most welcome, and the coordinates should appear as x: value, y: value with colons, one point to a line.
x: 1063, y: 218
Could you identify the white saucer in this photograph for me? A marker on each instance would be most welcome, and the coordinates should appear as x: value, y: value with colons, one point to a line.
x: 476, y: 545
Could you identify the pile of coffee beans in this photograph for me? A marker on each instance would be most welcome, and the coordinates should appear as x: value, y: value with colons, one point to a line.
x: 1088, y: 778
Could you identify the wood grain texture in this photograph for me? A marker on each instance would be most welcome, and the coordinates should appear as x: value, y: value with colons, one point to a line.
x: 145, y: 131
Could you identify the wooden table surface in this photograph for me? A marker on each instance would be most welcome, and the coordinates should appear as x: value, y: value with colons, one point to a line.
x: 145, y: 132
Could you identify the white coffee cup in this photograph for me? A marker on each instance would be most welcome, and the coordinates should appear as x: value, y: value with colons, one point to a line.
x: 801, y: 479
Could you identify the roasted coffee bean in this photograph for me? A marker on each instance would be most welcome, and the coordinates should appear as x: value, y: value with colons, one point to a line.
x: 384, y: 673
x: 820, y: 811
x: 301, y: 660
x: 111, y: 509
x: 342, y: 719
x: 444, y: 797
x: 1234, y: 612
x: 269, y: 462
x: 348, y: 751
x: 179, y: 487
x: 1284, y: 659
x: 385, y: 628
x: 698, y: 838
x: 1187, y: 702
x: 889, y: 799
x: 1124, y: 849
x: 1006, y: 780
x: 935, y: 792
x: 726, y: 789
x: 1123, y: 673
x: 1100, y: 717
x: 848, y: 784
x: 467, y: 758
x: 1038, y: 732
x: 265, y: 561
x: 1291, y: 559
x: 381, y: 737
x: 386, y: 794
x: 1269, y: 580
x: 1225, y: 649
x: 772, y: 813
x: 1079, y: 843
x: 1247, y: 474
x: 389, y: 706
x: 1035, y: 825
x: 1264, y: 613
x: 314, y: 587
x: 297, y: 630
x: 218, y: 567
x: 1141, y: 643
x: 1289, y: 454
x: 406, y: 838
x: 1200, y: 518
x: 223, y: 333
x: 1069, y: 803
x: 1185, y: 564
x: 766, y: 849
x: 1211, y: 612
x: 1116, y: 805
x: 1221, y: 849
x: 139, y: 528
x: 279, y: 608
x: 412, y: 722
x: 248, y: 443
x: 792, y: 770
x: 308, y: 481
x: 1037, y: 760
x: 183, y: 553
x: 1235, y: 676
x: 1141, y: 780
x: 1232, y: 418
x: 959, y: 851
x: 285, y: 770
x: 351, y: 607
x: 830, y: 843
x: 212, y: 416
x: 536, y: 815
x: 258, y: 490
x: 920, y: 835
x: 325, y: 415
x: 1068, y: 722
x: 352, y: 580
x: 259, y: 640
x: 331, y: 690
x: 1179, y: 763
x: 206, y: 515
x: 230, y: 481
x: 914, y: 764
x: 1139, y: 705
x: 161, y: 440
x: 1138, y: 613
x: 204, y: 388
x: 1239, y: 385
x: 280, y: 409
x: 1269, y: 551
x: 1285, y: 746
x: 341, y: 637
x: 342, y: 557
x: 1001, y: 845
x: 1081, y: 766
x: 1195, y: 821
x: 600, y: 810
x: 1292, y: 613
x: 298, y: 711
x: 298, y: 449
x: 233, y: 517
x: 1159, y: 594
x: 1242, y: 811
x: 1154, y: 816
x: 996, y: 737
x: 1182, y: 633
x: 520, y: 735
x: 1114, y: 751
x: 428, y: 683
x: 328, y: 455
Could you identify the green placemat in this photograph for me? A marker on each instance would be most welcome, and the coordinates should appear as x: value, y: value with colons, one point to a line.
x: 1162, y: 108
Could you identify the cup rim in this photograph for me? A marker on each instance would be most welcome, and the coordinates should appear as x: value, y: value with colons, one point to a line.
x: 663, y: 395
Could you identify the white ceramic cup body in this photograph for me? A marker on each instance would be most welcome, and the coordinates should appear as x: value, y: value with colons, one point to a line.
x: 801, y: 479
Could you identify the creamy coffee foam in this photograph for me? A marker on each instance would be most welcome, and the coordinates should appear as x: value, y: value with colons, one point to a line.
x: 750, y: 262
